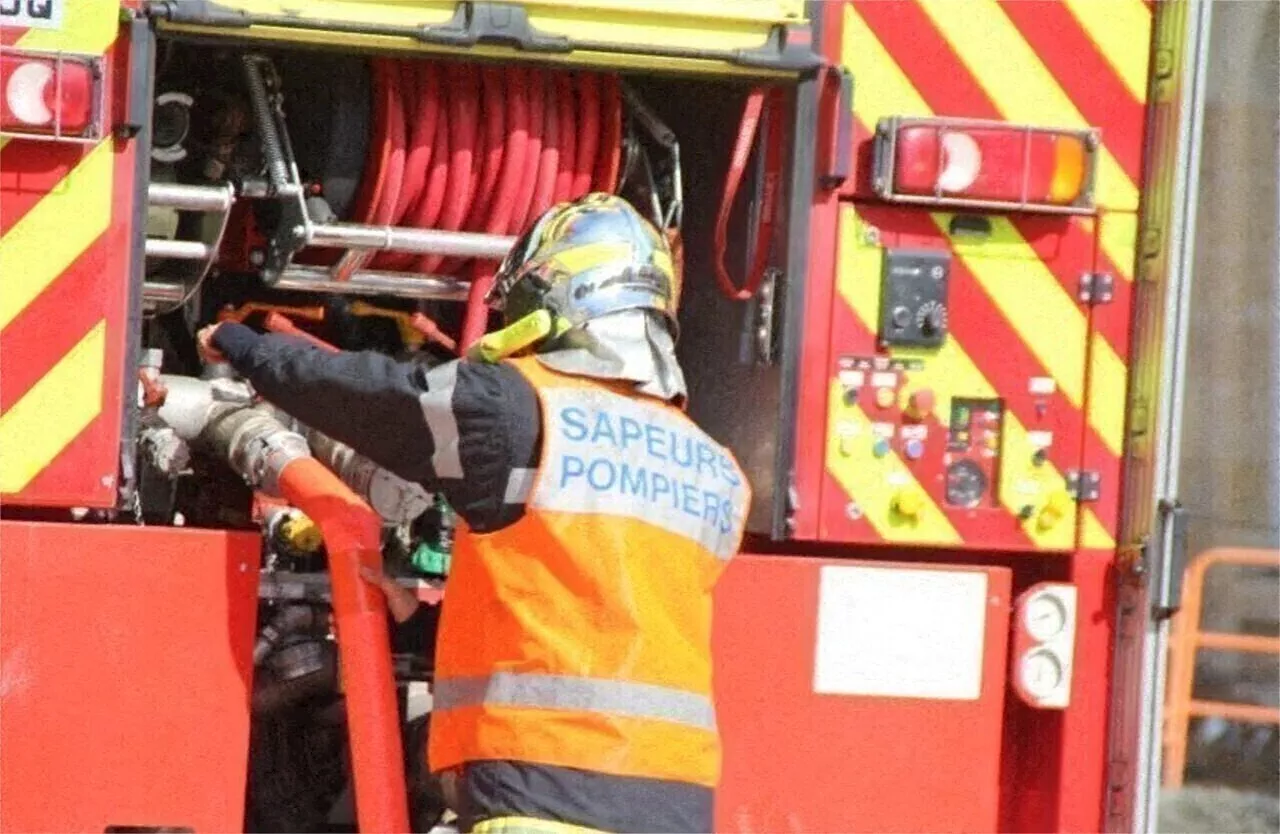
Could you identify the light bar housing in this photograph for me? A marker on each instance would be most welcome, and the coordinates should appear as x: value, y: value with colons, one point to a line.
x: 51, y: 96
x: 982, y: 164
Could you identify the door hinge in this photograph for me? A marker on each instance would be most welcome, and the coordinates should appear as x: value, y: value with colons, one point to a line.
x: 1084, y: 484
x: 1096, y: 288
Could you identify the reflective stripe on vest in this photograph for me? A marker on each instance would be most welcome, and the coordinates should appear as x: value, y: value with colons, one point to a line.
x: 634, y: 700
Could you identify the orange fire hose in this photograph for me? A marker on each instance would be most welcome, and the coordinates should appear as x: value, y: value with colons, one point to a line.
x: 352, y: 536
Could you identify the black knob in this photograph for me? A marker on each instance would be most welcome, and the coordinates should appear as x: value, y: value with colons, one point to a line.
x: 932, y: 321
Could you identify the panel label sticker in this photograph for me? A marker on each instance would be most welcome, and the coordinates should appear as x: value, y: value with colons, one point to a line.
x: 901, y: 633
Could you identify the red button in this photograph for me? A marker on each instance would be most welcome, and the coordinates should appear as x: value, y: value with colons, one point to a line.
x: 920, y: 404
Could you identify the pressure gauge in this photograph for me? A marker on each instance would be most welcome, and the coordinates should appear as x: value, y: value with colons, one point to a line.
x: 1044, y: 616
x: 1041, y: 673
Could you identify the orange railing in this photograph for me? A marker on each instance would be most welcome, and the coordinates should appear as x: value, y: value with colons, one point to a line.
x: 1188, y: 639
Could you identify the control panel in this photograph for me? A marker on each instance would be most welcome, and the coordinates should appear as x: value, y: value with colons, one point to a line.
x: 956, y: 375
x: 913, y: 307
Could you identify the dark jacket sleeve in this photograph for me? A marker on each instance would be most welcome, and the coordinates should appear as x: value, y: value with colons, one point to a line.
x: 365, y: 400
x: 461, y: 428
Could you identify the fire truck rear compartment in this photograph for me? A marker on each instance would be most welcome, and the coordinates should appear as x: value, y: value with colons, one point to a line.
x: 357, y: 199
x: 383, y: 187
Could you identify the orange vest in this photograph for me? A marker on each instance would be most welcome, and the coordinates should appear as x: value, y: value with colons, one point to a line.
x: 580, y: 636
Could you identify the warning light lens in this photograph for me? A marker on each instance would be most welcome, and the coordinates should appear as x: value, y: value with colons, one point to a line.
x: 984, y: 165
x: 46, y: 96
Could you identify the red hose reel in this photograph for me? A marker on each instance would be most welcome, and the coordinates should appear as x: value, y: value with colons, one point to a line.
x: 461, y: 147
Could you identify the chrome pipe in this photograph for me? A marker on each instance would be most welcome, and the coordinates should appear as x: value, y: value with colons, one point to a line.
x: 398, y: 284
x: 413, y: 241
x: 163, y: 292
x: 183, y: 250
x: 190, y: 197
x: 351, y: 262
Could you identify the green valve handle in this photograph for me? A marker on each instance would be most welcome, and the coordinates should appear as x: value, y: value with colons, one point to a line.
x: 431, y: 561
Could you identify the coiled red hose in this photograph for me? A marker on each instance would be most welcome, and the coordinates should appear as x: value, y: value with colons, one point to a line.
x: 457, y: 147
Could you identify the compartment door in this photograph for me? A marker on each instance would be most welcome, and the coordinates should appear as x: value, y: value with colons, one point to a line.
x: 957, y: 380
x: 877, y: 705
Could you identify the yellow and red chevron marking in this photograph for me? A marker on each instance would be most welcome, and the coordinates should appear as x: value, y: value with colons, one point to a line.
x: 1053, y: 63
x: 65, y: 245
x: 961, y: 367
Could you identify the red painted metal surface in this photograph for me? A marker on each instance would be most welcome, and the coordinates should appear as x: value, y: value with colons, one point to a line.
x: 125, y: 672
x: 800, y: 761
x: 1083, y: 751
x: 92, y: 290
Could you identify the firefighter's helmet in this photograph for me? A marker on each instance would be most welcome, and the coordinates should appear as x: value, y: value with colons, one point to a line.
x: 585, y: 259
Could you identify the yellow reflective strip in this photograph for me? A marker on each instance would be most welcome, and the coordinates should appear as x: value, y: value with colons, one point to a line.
x: 883, y: 89
x: 1093, y: 535
x: 1108, y: 377
x: 873, y: 483
x: 88, y: 27
x: 529, y: 825
x: 56, y: 231
x: 53, y: 412
x: 947, y: 369
x: 1121, y: 29
x: 1119, y: 239
x: 1047, y: 319
x: 1018, y: 83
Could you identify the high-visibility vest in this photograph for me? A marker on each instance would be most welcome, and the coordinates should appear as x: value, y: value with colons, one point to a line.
x: 580, y: 636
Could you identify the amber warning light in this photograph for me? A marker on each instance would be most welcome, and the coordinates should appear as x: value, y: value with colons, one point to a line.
x: 982, y: 164
x: 49, y: 96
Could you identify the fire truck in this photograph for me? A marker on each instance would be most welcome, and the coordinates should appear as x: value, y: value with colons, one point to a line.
x: 932, y: 254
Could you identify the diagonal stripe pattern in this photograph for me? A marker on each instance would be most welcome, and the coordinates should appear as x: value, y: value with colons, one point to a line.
x: 60, y: 267
x: 991, y: 59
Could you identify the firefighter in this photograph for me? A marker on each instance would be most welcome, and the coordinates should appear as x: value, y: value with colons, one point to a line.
x: 573, y: 660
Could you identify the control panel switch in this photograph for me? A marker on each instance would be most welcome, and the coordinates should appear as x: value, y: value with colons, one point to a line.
x: 1054, y: 511
x: 908, y: 503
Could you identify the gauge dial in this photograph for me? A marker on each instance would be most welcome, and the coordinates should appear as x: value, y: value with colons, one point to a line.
x: 1044, y: 616
x: 966, y: 484
x: 1040, y: 673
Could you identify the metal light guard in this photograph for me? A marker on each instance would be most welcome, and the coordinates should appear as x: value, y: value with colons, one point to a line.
x: 886, y: 148
x: 96, y: 129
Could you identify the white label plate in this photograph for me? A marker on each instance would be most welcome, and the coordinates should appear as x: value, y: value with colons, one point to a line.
x: 891, y: 632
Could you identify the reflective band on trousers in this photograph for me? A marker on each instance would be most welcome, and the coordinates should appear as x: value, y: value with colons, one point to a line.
x: 633, y: 700
x: 528, y: 825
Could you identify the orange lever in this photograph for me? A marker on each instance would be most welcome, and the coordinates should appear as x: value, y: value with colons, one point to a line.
x: 278, y: 323
x: 432, y: 332
x: 229, y: 313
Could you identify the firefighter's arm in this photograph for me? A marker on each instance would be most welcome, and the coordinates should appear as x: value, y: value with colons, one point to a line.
x: 465, y: 429
x: 364, y: 399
